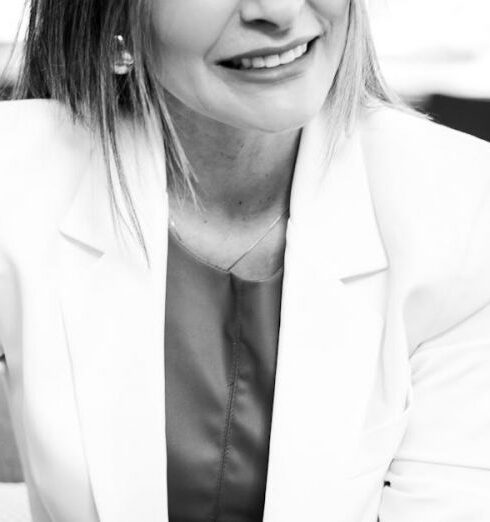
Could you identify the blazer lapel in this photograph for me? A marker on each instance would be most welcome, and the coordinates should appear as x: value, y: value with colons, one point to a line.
x: 329, y: 338
x: 112, y: 305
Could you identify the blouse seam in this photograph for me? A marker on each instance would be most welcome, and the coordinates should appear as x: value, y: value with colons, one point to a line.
x: 231, y: 405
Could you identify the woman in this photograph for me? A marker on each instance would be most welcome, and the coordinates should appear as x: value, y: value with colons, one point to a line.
x: 269, y: 121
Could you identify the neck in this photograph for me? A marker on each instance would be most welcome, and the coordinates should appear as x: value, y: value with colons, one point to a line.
x: 242, y: 174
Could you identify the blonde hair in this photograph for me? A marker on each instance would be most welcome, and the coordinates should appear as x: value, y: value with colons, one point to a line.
x: 358, y: 82
x: 69, y: 57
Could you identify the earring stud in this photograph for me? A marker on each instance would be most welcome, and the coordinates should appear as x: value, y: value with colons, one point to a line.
x: 123, y: 59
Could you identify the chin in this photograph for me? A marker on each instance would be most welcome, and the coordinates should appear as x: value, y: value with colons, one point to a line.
x: 277, y: 125
x: 281, y: 120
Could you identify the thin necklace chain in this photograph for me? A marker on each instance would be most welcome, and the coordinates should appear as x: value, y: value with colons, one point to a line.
x: 253, y: 245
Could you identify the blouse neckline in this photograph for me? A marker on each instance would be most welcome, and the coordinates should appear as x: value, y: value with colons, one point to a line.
x: 218, y: 270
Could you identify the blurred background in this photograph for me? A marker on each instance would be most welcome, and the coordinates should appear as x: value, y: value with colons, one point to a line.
x: 10, y: 21
x: 434, y: 53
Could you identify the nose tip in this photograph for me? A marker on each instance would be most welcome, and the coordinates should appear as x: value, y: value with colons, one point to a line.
x: 277, y: 13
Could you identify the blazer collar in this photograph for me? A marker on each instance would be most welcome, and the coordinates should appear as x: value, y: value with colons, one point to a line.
x: 89, y: 219
x: 330, y: 202
x: 113, y: 310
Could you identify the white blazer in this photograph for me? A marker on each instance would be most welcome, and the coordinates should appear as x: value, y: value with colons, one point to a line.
x: 382, y: 398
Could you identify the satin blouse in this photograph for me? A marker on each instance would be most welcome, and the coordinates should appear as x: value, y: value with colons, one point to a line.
x: 221, y: 334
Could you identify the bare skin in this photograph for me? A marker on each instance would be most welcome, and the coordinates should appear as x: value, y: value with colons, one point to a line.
x: 244, y: 184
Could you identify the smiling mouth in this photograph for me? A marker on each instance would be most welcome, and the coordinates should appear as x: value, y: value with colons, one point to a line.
x: 269, y: 61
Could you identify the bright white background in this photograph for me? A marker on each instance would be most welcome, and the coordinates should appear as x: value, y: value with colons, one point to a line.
x: 10, y: 12
x: 434, y: 46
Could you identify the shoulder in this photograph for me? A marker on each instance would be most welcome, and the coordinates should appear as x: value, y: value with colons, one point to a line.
x: 430, y: 187
x: 24, y: 119
x: 42, y: 156
x: 37, y: 126
x: 413, y: 140
x: 38, y: 139
x: 425, y: 177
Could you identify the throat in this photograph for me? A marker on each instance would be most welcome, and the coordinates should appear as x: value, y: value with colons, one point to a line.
x: 240, y: 173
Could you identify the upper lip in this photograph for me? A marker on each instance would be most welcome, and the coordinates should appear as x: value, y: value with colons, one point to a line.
x: 264, y: 51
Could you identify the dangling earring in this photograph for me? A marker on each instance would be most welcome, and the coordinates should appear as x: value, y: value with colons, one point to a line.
x: 123, y: 59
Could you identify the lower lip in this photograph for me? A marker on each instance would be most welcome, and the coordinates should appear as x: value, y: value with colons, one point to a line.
x: 280, y: 73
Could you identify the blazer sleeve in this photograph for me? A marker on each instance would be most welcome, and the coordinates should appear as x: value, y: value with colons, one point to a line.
x: 441, y: 471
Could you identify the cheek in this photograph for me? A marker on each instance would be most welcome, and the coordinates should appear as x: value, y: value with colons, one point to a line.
x: 189, y: 27
x: 335, y: 11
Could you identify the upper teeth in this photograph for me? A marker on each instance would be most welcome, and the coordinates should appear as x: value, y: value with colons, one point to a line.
x: 272, y: 60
